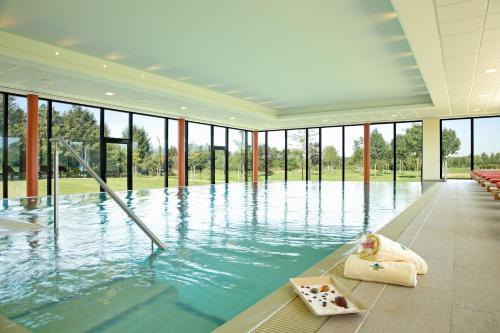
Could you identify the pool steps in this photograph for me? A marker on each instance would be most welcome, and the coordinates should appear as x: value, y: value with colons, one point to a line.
x: 116, y: 306
x: 91, y: 310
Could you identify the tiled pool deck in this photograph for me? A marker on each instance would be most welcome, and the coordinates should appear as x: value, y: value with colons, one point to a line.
x: 456, y: 228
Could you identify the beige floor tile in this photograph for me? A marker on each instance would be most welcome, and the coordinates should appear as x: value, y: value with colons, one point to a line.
x: 439, y: 276
x: 475, y: 290
x: 395, y: 320
x: 469, y: 321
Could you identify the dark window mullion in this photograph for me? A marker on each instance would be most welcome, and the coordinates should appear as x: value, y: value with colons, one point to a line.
x: 343, y: 153
x: 394, y: 152
x: 165, y: 152
x: 5, y: 164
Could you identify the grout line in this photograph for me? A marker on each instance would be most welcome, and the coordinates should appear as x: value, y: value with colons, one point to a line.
x: 411, y: 243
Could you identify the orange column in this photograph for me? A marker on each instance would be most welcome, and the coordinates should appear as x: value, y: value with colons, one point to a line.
x: 366, y: 153
x: 255, y: 156
x: 181, y: 157
x: 32, y: 147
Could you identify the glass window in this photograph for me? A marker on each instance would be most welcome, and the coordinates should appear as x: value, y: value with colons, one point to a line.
x: 148, y: 134
x: 276, y: 155
x: 236, y: 155
x: 381, y: 152
x: 250, y: 155
x: 16, y: 168
x: 313, y: 151
x: 262, y: 158
x: 296, y: 154
x: 220, y: 154
x: 486, y: 143
x: 408, y: 151
x: 354, y: 152
x: 173, y: 128
x: 42, y: 147
x: 456, y: 148
x: 79, y: 125
x: 331, y: 153
x: 198, y: 154
x: 116, y: 124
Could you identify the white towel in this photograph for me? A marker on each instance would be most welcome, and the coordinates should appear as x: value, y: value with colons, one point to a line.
x: 393, y: 272
x: 376, y: 247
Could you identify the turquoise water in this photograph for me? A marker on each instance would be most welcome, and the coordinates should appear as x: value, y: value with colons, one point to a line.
x: 228, y: 247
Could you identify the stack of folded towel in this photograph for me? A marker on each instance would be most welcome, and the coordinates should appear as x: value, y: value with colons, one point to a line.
x: 380, y: 259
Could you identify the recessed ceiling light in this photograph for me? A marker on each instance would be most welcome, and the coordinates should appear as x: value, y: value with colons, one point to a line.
x: 394, y: 115
x: 56, y: 53
x: 183, y: 108
x: 232, y: 118
x: 142, y: 76
x: 482, y: 95
x: 142, y: 100
x: 325, y: 120
x: 475, y: 110
x: 104, y: 66
x: 490, y: 70
x: 267, y: 125
x: 109, y: 93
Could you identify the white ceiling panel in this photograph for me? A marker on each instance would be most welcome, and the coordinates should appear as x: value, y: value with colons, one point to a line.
x: 461, y: 10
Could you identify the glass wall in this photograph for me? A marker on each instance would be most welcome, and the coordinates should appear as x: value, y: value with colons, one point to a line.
x: 354, y: 152
x: 276, y: 155
x: 331, y: 153
x: 297, y: 154
x: 408, y: 151
x: 42, y: 147
x: 148, y: 158
x: 117, y: 126
x: 198, y: 161
x: 80, y: 126
x: 262, y: 155
x: 16, y: 149
x: 220, y: 154
x: 236, y: 155
x: 313, y: 150
x: 487, y: 143
x: 381, y: 152
x: 456, y: 147
x: 173, y: 161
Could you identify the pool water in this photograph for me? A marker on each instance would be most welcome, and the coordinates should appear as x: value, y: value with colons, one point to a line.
x: 228, y: 246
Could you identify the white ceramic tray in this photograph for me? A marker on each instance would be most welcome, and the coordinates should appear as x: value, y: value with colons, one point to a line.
x: 323, y: 303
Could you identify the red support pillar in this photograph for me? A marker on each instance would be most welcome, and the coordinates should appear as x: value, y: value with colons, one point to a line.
x: 32, y: 147
x: 255, y: 156
x: 181, y: 157
x: 366, y: 152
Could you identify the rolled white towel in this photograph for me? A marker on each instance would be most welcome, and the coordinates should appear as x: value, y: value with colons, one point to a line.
x: 393, y: 272
x: 376, y: 247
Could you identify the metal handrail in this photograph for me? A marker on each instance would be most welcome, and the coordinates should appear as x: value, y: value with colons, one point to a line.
x: 102, y: 183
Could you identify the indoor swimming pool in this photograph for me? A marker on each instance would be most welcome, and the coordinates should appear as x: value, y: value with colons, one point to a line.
x: 228, y: 246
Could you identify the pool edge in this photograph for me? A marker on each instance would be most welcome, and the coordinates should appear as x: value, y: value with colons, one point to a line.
x: 258, y: 313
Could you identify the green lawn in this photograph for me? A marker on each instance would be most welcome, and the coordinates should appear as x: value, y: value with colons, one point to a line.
x: 17, y: 188
x: 458, y: 173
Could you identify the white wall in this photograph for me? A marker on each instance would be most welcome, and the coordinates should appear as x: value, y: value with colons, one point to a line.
x: 431, y: 149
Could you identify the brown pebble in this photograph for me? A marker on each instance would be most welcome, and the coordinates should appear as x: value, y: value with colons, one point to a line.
x: 314, y: 290
x: 314, y: 296
x: 309, y: 300
x: 324, y: 304
x: 341, y: 301
x: 308, y: 287
x: 324, y: 288
x: 301, y: 286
